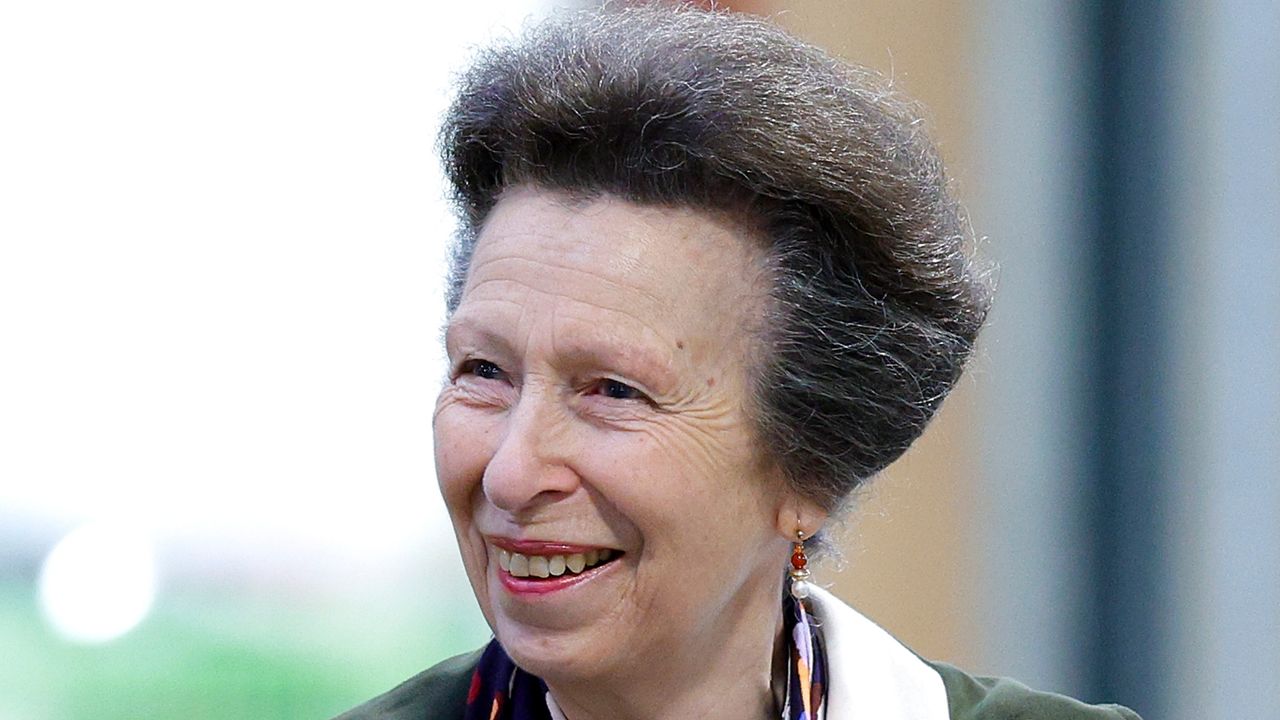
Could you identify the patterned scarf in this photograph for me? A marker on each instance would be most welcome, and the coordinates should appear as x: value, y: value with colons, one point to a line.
x: 502, y: 691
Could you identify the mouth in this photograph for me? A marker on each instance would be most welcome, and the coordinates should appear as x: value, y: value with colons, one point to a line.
x: 536, y: 567
x: 545, y: 566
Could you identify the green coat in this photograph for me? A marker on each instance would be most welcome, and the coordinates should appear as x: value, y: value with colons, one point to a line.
x: 441, y: 692
x: 870, y: 675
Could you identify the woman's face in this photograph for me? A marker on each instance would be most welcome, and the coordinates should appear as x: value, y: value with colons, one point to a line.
x: 593, y: 443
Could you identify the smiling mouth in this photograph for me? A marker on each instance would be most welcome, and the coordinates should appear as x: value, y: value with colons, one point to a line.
x: 550, y: 566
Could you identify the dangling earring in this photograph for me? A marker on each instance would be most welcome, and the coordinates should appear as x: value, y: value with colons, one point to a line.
x: 799, y: 569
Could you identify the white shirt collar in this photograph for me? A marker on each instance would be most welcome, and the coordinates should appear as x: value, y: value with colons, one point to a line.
x: 556, y: 712
x: 869, y: 673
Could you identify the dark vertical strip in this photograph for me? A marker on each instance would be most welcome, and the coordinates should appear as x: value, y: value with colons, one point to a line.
x: 1129, y: 421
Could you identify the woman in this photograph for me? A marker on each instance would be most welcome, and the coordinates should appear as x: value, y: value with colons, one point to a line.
x: 709, y: 281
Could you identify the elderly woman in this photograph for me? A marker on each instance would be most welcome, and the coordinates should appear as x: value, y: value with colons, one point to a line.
x: 709, y: 281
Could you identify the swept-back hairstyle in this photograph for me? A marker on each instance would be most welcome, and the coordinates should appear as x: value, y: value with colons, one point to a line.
x: 874, y: 303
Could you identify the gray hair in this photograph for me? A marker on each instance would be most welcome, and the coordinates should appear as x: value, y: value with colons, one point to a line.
x: 875, y: 304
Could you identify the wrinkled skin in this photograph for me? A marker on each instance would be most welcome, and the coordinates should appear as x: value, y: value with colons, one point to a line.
x: 598, y: 395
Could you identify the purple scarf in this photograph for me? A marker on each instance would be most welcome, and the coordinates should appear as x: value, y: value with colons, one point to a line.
x: 502, y: 691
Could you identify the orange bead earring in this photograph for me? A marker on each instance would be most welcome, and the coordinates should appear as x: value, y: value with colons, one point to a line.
x: 799, y: 570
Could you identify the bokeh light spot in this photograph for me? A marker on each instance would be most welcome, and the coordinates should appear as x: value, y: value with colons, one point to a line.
x: 98, y: 582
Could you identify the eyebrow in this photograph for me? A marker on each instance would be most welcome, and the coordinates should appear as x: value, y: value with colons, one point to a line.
x: 472, y: 330
x: 640, y: 361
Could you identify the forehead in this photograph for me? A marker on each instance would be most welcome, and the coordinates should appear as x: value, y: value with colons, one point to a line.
x: 654, y: 263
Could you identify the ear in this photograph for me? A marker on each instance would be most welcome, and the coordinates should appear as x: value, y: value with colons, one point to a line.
x: 800, y: 514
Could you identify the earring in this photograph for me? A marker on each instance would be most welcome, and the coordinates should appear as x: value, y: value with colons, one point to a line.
x: 799, y: 569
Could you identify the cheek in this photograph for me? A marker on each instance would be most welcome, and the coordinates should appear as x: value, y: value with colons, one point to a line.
x: 462, y: 450
x: 709, y: 456
x: 678, y: 487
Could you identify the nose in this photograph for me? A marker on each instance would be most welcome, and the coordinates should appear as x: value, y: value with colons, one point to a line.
x: 530, y: 467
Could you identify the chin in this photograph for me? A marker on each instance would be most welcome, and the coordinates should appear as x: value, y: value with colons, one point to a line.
x: 557, y: 655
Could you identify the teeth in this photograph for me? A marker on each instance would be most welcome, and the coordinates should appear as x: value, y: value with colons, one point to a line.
x: 519, y: 565
x: 542, y: 566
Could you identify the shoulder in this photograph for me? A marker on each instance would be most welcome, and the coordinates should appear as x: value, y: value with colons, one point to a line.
x: 984, y: 698
x: 871, y: 674
x: 437, y: 692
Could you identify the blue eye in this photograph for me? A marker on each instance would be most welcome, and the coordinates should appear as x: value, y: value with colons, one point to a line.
x: 483, y: 369
x: 620, y: 391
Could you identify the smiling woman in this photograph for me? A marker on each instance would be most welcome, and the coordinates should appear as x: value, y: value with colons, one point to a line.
x: 611, y: 422
x: 709, y: 281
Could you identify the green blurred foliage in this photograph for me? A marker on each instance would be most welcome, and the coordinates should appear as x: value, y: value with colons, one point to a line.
x: 213, y: 656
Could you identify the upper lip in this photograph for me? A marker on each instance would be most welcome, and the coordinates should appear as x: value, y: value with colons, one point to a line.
x: 541, y: 547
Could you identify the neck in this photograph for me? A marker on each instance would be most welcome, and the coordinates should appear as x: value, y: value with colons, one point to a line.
x: 694, y: 680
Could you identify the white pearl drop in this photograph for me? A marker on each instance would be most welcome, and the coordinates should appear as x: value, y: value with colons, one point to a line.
x: 799, y: 589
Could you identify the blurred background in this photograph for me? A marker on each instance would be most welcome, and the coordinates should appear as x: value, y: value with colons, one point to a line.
x: 222, y: 232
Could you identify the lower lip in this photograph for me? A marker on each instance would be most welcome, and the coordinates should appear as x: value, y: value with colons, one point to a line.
x: 540, y: 586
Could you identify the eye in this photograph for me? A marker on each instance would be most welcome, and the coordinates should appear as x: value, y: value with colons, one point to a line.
x: 483, y: 369
x: 619, y: 390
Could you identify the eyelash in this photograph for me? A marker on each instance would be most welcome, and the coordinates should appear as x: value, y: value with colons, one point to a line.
x: 629, y: 392
x: 609, y: 387
x: 482, y: 369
